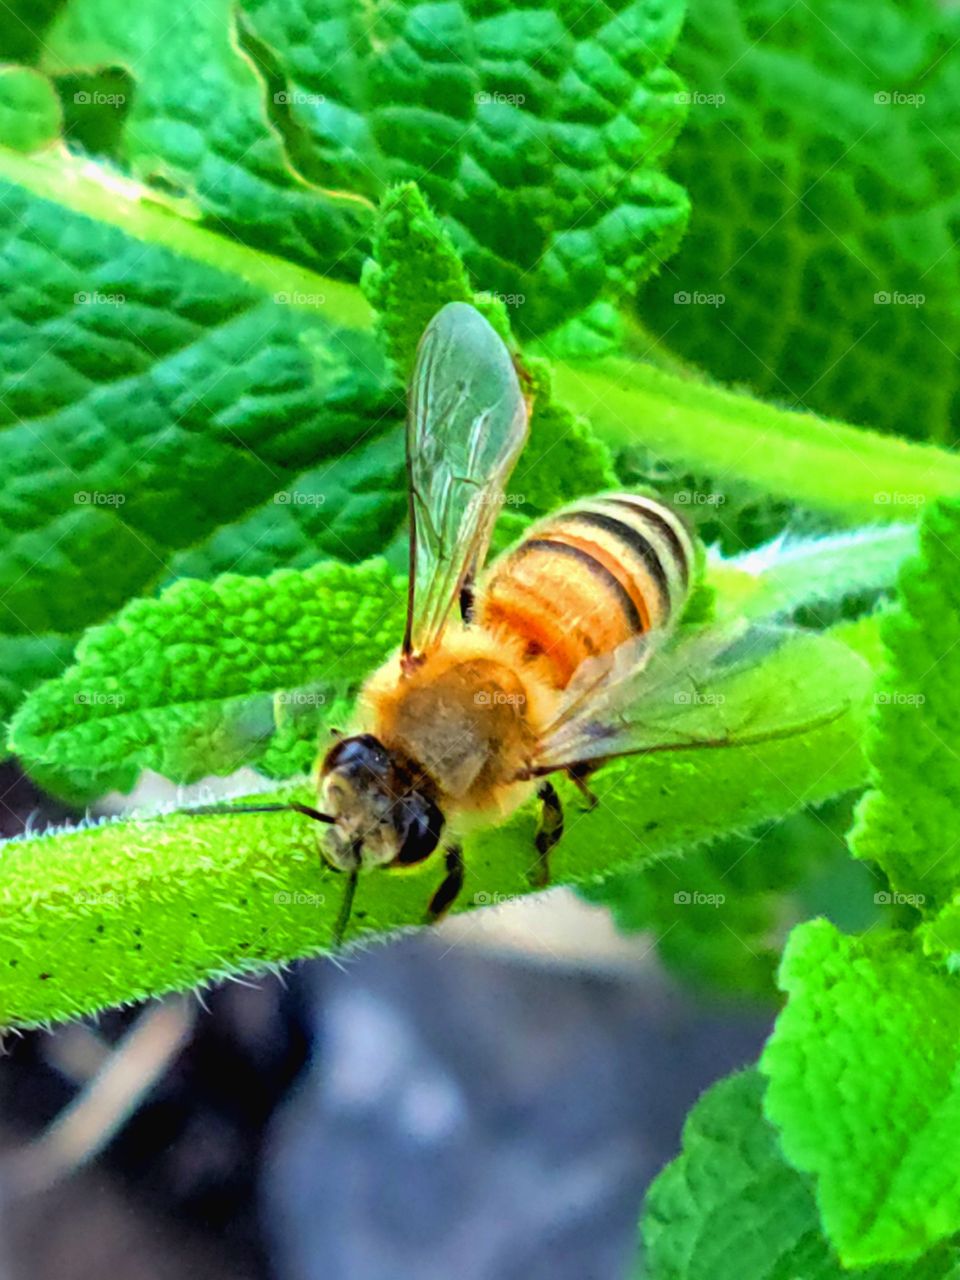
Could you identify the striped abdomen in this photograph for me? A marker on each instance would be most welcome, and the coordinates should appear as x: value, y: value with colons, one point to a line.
x: 591, y: 577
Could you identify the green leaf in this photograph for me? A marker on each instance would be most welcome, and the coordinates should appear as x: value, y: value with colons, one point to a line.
x: 536, y: 133
x: 414, y: 271
x: 183, y: 899
x: 186, y: 684
x: 719, y: 916
x: 813, y: 199
x: 730, y: 1206
x: 29, y: 109
x: 909, y: 822
x: 161, y: 415
x: 212, y: 676
x: 863, y: 1073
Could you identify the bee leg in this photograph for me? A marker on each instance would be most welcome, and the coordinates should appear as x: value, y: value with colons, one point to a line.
x: 578, y: 774
x: 346, y: 909
x: 452, y: 883
x: 549, y: 831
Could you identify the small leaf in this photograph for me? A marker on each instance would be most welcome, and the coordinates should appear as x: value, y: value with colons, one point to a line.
x: 211, y: 676
x: 729, y: 1207
x: 864, y: 1085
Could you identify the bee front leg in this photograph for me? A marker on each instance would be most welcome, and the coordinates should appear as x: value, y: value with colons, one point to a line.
x: 452, y: 883
x: 549, y: 831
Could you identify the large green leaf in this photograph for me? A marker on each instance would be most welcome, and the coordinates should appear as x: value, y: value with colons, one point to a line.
x: 821, y: 155
x: 153, y: 404
x: 537, y: 132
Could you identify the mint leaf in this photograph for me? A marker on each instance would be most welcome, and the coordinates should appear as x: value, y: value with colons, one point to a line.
x: 159, y: 415
x: 719, y: 916
x: 825, y: 214
x: 909, y: 822
x: 863, y: 1073
x: 536, y: 133
x: 29, y: 109
x: 212, y: 676
x: 730, y: 1206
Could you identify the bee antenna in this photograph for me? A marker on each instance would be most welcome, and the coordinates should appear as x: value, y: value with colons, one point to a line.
x: 293, y: 807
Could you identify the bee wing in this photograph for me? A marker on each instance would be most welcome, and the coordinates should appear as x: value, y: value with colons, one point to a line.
x: 466, y: 425
x: 698, y: 690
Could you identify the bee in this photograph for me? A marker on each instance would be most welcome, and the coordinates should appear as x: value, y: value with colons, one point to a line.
x: 554, y: 658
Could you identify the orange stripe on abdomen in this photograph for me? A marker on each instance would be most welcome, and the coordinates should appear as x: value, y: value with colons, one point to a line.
x: 565, y: 603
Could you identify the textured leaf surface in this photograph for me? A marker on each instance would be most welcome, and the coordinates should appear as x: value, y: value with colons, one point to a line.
x: 210, y: 677
x: 196, y: 681
x: 731, y: 1206
x: 864, y: 1085
x: 719, y: 916
x: 536, y: 132
x: 29, y: 109
x: 153, y: 406
x: 910, y: 821
x: 183, y: 899
x: 813, y: 198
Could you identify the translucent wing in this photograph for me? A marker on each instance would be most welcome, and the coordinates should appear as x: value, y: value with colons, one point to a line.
x: 723, y: 686
x: 466, y: 426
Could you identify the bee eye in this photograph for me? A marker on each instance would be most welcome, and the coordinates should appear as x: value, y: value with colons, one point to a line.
x: 420, y: 822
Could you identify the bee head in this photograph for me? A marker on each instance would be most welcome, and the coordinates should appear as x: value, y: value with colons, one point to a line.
x: 382, y: 811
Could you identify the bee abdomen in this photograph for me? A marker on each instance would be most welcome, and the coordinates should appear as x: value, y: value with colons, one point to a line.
x: 591, y: 577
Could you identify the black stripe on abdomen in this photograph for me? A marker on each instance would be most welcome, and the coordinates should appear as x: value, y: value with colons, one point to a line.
x: 598, y: 570
x: 663, y: 525
x: 631, y: 538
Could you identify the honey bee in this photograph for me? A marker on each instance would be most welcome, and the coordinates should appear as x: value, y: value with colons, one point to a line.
x: 554, y: 658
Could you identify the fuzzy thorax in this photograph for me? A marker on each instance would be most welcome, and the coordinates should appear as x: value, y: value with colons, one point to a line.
x: 470, y: 715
